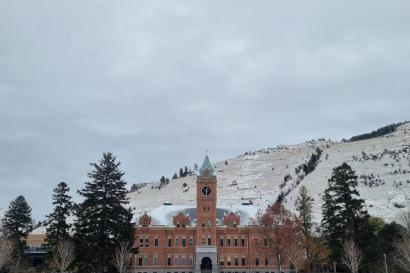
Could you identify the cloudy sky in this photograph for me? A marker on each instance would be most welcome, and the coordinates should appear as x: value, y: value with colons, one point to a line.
x: 158, y: 82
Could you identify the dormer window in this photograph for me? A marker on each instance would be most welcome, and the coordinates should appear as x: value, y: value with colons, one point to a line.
x: 145, y: 224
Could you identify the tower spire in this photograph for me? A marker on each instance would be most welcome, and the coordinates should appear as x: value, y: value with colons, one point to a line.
x: 206, y: 169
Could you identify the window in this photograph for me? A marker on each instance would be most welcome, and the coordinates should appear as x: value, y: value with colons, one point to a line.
x: 221, y: 241
x: 183, y: 242
x: 209, y: 241
x: 265, y: 242
x: 242, y: 242
x: 228, y: 242
x: 256, y: 241
x: 228, y: 262
x: 191, y: 241
x: 243, y: 261
x: 203, y: 240
x: 155, y: 261
x: 178, y: 224
x: 145, y: 260
x: 176, y: 261
x: 209, y: 223
x: 266, y: 262
x: 169, y: 242
x: 256, y: 261
x: 236, y: 261
x: 156, y: 242
x: 236, y: 242
x: 140, y: 261
x: 190, y: 260
x: 176, y: 242
x: 169, y: 261
x: 222, y: 261
x: 145, y: 224
x: 203, y: 223
x: 146, y: 242
x: 141, y: 242
x: 183, y: 261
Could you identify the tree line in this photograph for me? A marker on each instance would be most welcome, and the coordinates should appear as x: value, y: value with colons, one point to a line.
x: 98, y: 238
x: 348, y: 239
x: 96, y: 234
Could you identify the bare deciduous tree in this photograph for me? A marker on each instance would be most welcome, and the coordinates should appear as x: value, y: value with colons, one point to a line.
x: 403, y: 253
x: 297, y: 254
x: 122, y: 257
x: 6, y: 251
x: 63, y: 255
x: 352, y: 256
x: 274, y: 226
x: 405, y: 219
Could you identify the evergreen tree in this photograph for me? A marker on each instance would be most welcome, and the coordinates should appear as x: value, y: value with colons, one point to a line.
x: 162, y: 180
x: 102, y: 219
x: 58, y: 229
x: 181, y: 172
x: 304, y: 205
x: 186, y: 171
x: 175, y: 176
x: 17, y: 223
x: 342, y: 209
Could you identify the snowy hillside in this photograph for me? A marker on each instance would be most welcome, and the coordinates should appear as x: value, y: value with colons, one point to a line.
x: 382, y: 164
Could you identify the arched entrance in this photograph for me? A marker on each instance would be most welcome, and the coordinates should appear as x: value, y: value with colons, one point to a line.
x: 206, y: 265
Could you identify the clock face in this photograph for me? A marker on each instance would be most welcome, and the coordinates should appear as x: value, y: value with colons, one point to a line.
x: 206, y: 190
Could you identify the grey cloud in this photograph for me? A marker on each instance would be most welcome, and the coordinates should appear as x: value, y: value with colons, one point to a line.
x: 158, y: 82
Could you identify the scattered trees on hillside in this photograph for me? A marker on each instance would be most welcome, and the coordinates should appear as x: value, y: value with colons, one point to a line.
x: 379, y: 132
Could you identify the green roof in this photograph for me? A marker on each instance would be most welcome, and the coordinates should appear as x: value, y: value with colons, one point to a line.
x: 206, y: 165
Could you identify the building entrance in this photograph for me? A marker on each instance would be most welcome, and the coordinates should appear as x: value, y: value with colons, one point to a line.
x: 206, y: 265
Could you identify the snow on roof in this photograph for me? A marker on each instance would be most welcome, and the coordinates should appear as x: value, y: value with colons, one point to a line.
x: 163, y: 215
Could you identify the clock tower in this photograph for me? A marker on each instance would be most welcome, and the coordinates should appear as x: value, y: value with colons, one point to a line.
x: 206, y: 240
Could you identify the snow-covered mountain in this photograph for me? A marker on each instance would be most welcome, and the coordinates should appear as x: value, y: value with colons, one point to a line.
x: 382, y: 164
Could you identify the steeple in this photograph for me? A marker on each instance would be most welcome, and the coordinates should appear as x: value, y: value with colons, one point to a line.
x: 206, y: 170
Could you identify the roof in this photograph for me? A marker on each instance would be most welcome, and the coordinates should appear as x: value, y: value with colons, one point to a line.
x: 206, y: 166
x: 163, y: 215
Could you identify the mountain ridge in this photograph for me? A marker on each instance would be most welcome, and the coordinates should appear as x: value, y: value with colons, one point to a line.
x: 382, y: 164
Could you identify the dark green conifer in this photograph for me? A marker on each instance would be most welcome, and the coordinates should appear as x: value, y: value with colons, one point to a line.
x: 103, y: 221
x: 342, y: 210
x: 17, y: 223
x: 57, y: 227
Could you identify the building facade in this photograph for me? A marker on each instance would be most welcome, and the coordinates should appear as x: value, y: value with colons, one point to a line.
x: 205, y: 239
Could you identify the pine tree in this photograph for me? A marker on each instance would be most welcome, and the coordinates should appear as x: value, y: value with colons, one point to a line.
x: 175, y: 176
x: 342, y: 209
x: 304, y: 204
x: 17, y: 222
x: 186, y: 171
x: 181, y: 172
x: 58, y: 229
x: 102, y: 219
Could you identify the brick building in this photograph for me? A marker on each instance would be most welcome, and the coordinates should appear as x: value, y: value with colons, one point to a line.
x: 205, y: 238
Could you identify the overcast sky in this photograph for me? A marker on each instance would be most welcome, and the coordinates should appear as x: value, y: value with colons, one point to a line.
x: 158, y: 82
